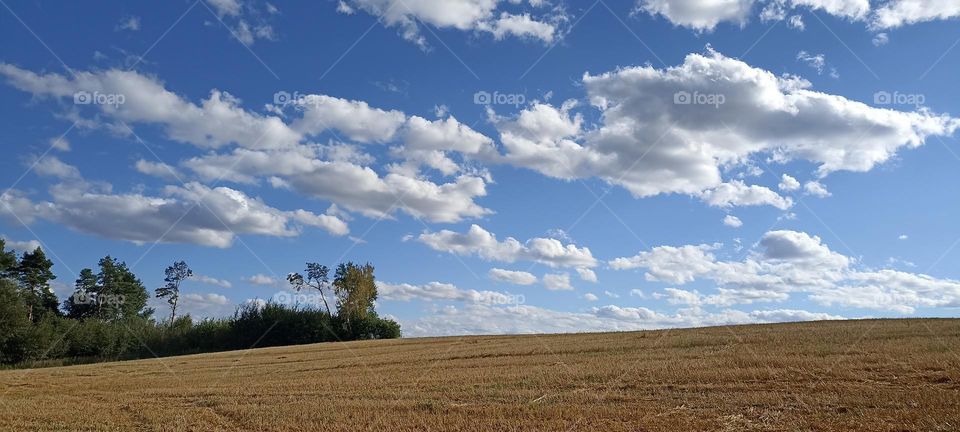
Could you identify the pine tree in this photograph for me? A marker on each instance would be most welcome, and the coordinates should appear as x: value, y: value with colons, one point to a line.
x: 8, y: 261
x: 34, y: 275
x: 175, y: 274
x: 120, y: 294
x: 82, y: 304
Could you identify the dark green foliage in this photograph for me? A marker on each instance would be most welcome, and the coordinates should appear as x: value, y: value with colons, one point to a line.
x: 16, y: 330
x: 106, y: 318
x: 113, y: 294
x: 253, y: 326
x: 34, y: 275
x: 82, y: 303
x: 8, y: 261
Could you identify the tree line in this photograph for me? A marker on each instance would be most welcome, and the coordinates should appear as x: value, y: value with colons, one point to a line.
x: 107, y: 317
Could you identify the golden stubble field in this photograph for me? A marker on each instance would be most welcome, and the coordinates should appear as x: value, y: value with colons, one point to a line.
x: 901, y: 375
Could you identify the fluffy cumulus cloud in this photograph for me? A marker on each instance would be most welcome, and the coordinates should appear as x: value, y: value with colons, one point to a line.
x: 484, y: 16
x: 191, y: 213
x: 484, y: 244
x: 262, y: 280
x: 203, y: 305
x: 732, y: 221
x: 674, y: 130
x: 222, y: 283
x: 705, y: 15
x: 699, y: 14
x: 21, y: 246
x: 557, y: 282
x: 246, y: 147
x: 520, y: 319
x: 436, y: 291
x: 896, y: 13
x: 512, y: 276
x: 788, y: 184
x: 784, y: 263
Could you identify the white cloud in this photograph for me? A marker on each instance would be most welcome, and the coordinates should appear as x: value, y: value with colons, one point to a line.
x: 796, y: 22
x: 60, y: 143
x: 816, y: 189
x: 512, y: 277
x: 209, y: 305
x: 226, y: 7
x: 131, y: 23
x: 355, y: 119
x: 557, y: 282
x: 244, y: 21
x: 480, y: 242
x: 262, y: 280
x: 52, y: 166
x: 192, y: 213
x: 464, y: 15
x: 269, y: 148
x: 587, y: 275
x: 896, y: 13
x: 525, y: 319
x: 678, y: 265
x: 217, y: 121
x: 21, y: 246
x: 788, y: 184
x: 699, y: 14
x: 158, y: 169
x: 442, y: 292
x: 903, y: 237
x: 737, y: 193
x: 787, y: 262
x: 817, y: 62
x: 650, y: 144
x: 732, y: 221
x: 522, y: 26
x: 705, y: 15
x: 880, y: 39
x: 590, y: 297
x: 212, y: 281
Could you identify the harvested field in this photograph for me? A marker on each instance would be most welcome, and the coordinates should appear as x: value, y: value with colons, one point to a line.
x: 886, y: 375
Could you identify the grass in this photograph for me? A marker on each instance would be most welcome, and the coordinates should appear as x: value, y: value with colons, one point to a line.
x: 886, y: 375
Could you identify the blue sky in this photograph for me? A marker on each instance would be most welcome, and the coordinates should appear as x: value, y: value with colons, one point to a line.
x: 508, y: 166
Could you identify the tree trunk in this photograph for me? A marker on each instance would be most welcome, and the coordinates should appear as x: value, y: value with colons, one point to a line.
x: 325, y: 302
